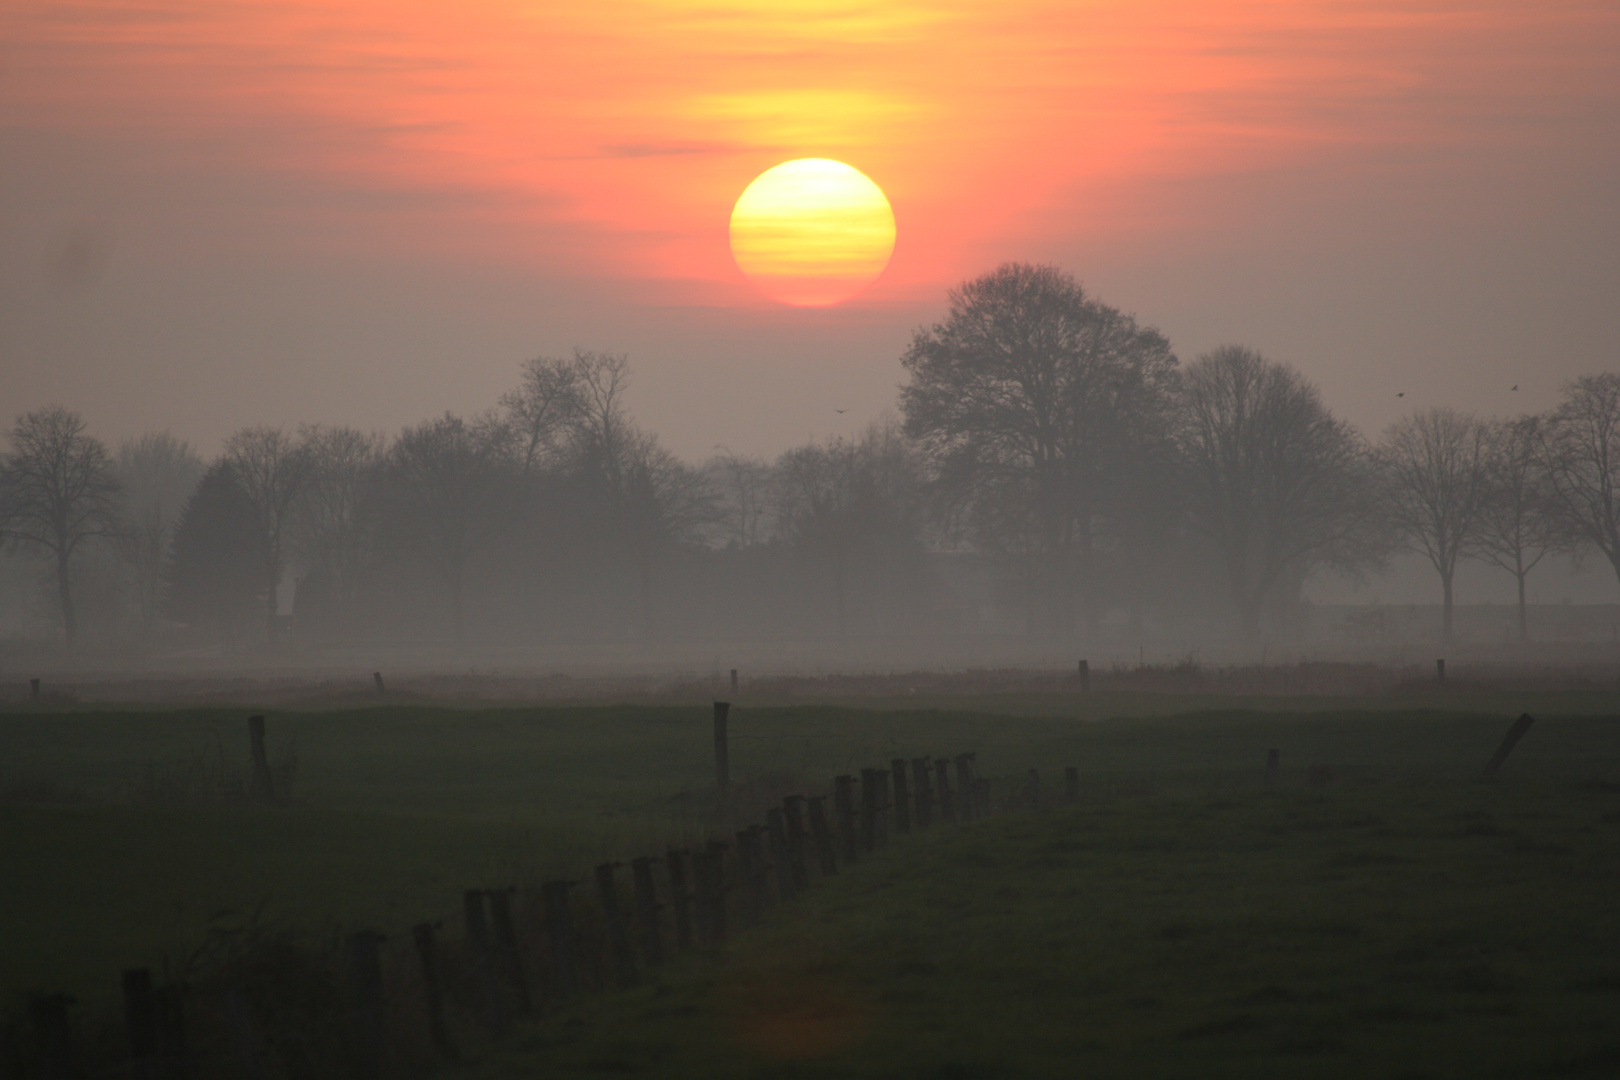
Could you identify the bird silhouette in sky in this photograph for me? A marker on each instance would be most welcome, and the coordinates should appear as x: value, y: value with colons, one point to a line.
x: 1515, y: 386
x: 1401, y: 394
x: 841, y: 412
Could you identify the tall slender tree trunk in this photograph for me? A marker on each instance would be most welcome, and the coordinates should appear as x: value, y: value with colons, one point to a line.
x: 1524, y: 620
x: 1445, y: 592
x: 64, y: 594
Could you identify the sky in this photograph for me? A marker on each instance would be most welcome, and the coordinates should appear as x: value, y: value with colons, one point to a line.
x: 229, y: 212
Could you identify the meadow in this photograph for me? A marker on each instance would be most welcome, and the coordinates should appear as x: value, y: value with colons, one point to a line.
x: 1380, y: 912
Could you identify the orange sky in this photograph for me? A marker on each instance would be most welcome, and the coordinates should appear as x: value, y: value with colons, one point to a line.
x: 606, y: 142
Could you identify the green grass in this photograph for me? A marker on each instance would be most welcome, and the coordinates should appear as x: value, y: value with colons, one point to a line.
x: 1366, y: 930
x: 118, y: 850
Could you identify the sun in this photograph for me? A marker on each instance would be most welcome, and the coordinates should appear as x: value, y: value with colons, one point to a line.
x: 812, y: 232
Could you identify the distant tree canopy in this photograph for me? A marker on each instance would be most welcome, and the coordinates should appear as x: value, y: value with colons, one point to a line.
x: 1030, y: 401
x: 1055, y: 470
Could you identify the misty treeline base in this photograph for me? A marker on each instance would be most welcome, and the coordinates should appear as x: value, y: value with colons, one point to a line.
x: 1055, y: 472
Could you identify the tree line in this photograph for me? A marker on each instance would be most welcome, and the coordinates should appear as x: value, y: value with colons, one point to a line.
x: 1049, y: 451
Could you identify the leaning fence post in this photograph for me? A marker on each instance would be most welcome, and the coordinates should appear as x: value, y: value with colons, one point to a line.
x: 262, y: 781
x: 675, y: 862
x: 51, y: 1035
x: 365, y: 979
x: 923, y: 797
x: 722, y: 749
x: 377, y: 680
x: 560, y: 932
x: 964, y: 786
x: 717, y: 880
x: 1085, y: 677
x: 947, y: 805
x: 821, y: 834
x: 869, y: 810
x: 624, y: 961
x: 472, y: 907
x: 1509, y: 741
x: 652, y: 945
x: 902, y: 797
x: 427, y: 951
x: 140, y: 1019
x: 776, y: 831
x: 500, y: 918
x: 793, y: 817
x: 1273, y: 766
x: 844, y: 806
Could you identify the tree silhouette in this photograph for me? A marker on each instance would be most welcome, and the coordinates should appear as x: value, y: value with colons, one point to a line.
x: 57, y: 493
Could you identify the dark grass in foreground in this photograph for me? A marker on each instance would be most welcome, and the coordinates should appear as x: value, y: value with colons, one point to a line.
x: 121, y: 846
x: 1391, y: 929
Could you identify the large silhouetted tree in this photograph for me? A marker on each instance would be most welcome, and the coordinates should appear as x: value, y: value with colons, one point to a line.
x: 1434, y: 467
x: 272, y: 470
x: 158, y: 474
x: 1273, y: 479
x: 58, y: 493
x: 1581, y: 458
x: 1517, y: 528
x: 1026, y: 400
x: 215, y: 570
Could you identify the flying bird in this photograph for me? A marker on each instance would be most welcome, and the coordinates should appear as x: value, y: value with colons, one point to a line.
x: 1401, y: 394
x: 1515, y: 386
x: 841, y: 412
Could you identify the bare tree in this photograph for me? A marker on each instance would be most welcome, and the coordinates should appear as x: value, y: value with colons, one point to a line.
x: 1516, y: 527
x: 545, y: 408
x: 1274, y: 479
x: 662, y: 503
x: 447, y: 497
x: 333, y: 526
x: 1435, y: 469
x: 742, y: 491
x: 852, y: 504
x: 272, y: 469
x: 157, y: 473
x: 1581, y: 456
x: 1025, y: 399
x: 57, y: 493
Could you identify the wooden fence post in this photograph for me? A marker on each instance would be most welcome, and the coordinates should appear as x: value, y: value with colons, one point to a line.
x: 680, y: 898
x: 722, y: 748
x: 716, y: 853
x: 1085, y: 677
x: 947, y: 804
x: 652, y: 943
x: 923, y: 797
x: 560, y: 932
x: 733, y: 680
x: 427, y: 951
x: 821, y: 835
x: 1273, y: 766
x: 902, y: 797
x: 624, y: 960
x: 844, y: 807
x: 793, y: 817
x: 964, y: 786
x: 776, y: 832
x: 869, y: 810
x: 1071, y: 784
x: 478, y: 943
x: 263, y: 784
x: 52, y: 1035
x: 377, y: 680
x: 500, y: 919
x: 880, y: 777
x: 1509, y: 741
x: 365, y: 981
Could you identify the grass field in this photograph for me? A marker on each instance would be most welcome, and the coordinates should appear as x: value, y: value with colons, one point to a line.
x: 1401, y: 918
